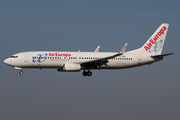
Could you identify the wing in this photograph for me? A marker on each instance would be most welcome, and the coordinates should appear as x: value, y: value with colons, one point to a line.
x: 96, y: 64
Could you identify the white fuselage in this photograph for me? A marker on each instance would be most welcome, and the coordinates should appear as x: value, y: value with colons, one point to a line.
x: 55, y: 59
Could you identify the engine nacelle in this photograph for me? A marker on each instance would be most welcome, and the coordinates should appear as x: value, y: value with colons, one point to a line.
x: 70, y: 67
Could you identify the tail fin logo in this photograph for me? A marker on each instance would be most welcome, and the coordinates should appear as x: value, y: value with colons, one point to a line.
x: 156, y: 47
x: 155, y: 38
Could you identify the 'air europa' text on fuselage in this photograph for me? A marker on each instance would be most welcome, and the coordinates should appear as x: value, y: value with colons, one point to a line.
x: 153, y: 40
x: 57, y: 54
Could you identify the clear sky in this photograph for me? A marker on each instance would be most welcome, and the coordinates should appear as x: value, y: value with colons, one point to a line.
x: 149, y: 92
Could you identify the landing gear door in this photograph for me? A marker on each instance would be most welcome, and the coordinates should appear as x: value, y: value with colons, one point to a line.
x: 26, y: 58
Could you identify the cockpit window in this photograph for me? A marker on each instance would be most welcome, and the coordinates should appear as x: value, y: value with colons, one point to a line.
x: 14, y: 56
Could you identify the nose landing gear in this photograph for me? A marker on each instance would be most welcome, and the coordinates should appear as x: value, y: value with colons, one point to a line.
x: 18, y: 68
x: 87, y: 73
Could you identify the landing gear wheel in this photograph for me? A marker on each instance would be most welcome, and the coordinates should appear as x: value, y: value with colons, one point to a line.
x: 89, y: 73
x: 85, y: 73
x: 20, y: 72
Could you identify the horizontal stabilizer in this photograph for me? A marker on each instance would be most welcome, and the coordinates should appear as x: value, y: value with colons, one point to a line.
x: 162, y: 55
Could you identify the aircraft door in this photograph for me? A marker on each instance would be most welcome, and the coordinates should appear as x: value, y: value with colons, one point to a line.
x: 26, y: 58
x: 139, y: 59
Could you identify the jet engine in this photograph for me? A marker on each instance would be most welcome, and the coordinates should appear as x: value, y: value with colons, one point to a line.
x: 70, y: 67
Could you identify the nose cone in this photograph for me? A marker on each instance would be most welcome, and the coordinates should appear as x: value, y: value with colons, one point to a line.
x: 7, y: 61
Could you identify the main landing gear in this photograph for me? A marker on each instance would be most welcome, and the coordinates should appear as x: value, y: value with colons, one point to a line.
x: 87, y: 73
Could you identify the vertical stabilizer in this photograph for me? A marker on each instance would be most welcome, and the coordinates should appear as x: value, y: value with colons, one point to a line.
x: 155, y: 43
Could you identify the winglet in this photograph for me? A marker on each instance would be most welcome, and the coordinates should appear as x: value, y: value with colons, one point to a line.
x: 123, y: 49
x: 97, y: 49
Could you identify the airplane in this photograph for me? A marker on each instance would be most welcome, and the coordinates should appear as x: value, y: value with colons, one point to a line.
x: 65, y: 61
